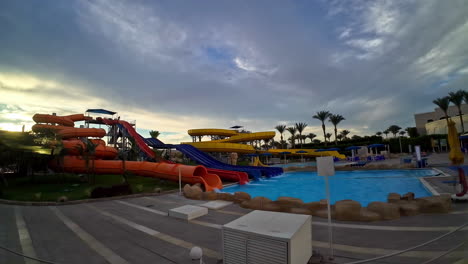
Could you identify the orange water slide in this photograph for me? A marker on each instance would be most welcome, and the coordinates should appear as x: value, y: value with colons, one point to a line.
x: 102, y: 151
x: 61, y: 120
x: 75, y: 132
x: 74, y: 164
x: 189, y: 174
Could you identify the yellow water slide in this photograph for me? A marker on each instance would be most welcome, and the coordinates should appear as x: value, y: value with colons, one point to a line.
x: 233, y: 139
x: 230, y: 144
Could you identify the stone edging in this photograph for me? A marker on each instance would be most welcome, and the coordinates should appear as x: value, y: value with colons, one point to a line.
x: 344, y: 210
x: 45, y: 203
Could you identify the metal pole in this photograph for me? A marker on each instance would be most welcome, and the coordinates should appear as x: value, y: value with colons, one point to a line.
x: 330, y: 234
x: 180, y: 182
x: 401, y: 149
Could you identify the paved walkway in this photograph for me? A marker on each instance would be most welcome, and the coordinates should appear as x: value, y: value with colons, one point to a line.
x: 138, y: 230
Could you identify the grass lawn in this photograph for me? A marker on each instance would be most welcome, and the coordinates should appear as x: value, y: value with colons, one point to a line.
x: 50, y: 187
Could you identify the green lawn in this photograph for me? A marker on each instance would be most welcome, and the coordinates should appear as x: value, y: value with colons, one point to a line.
x: 52, y: 186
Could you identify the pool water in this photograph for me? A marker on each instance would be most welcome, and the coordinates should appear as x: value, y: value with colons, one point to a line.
x: 362, y: 186
x: 299, y: 165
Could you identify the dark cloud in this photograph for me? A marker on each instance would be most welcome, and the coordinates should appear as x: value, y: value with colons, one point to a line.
x: 257, y: 62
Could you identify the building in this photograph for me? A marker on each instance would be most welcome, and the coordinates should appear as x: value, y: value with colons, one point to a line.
x: 434, y: 122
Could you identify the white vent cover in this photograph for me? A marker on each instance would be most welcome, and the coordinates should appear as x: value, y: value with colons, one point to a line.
x: 262, y: 237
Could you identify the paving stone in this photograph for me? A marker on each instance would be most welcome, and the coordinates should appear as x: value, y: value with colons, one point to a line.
x: 188, y: 212
x: 216, y: 205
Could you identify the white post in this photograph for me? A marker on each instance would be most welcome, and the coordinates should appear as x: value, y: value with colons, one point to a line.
x: 180, y: 182
x: 326, y: 167
x: 330, y: 231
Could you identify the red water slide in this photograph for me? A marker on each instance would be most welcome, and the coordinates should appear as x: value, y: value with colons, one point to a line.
x: 238, y: 176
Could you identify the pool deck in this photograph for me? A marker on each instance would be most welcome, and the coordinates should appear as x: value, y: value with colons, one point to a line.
x: 138, y: 230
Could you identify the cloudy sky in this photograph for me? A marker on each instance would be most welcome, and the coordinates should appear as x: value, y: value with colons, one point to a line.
x: 175, y: 65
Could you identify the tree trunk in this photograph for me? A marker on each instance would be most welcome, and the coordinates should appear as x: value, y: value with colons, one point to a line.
x: 5, y: 182
x: 282, y: 141
x: 336, y: 139
x: 461, y: 120
x: 324, y: 134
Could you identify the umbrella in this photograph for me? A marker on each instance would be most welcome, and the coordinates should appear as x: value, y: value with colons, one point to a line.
x: 284, y: 153
x: 455, y: 155
x: 375, y: 146
x: 301, y: 152
x: 333, y: 149
x: 321, y: 150
x: 352, y: 148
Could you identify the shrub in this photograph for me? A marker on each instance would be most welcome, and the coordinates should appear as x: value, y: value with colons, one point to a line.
x: 139, y: 187
x: 37, y: 196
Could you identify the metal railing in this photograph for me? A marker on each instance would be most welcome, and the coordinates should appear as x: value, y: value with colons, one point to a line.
x: 418, y: 246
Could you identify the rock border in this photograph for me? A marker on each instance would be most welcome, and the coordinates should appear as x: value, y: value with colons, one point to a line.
x: 345, y: 210
x: 50, y: 203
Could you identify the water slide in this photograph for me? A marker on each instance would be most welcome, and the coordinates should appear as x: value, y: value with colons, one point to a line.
x: 231, y: 144
x: 208, y: 161
x: 139, y: 140
x: 143, y: 144
x: 189, y: 174
x: 76, y: 164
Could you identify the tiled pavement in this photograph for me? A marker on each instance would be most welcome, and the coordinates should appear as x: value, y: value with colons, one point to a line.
x: 138, y: 230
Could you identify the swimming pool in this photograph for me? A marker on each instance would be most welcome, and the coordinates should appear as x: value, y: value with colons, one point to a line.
x: 307, y: 164
x: 363, y: 186
x: 299, y: 164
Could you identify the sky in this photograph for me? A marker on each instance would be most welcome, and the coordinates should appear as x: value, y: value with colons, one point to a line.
x: 177, y: 65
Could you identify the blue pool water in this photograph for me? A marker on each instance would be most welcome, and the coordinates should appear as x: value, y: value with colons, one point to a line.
x: 300, y: 165
x: 362, y: 186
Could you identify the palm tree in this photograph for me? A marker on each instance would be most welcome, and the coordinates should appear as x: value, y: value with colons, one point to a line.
x: 457, y: 99
x: 394, y: 129
x: 322, y: 116
x: 345, y: 133
x: 91, y: 151
x: 328, y: 136
x: 266, y: 141
x: 281, y: 129
x: 340, y: 137
x: 311, y: 136
x: 293, y: 131
x: 335, y: 120
x: 154, y: 133
x: 399, y: 139
x: 443, y: 103
x: 300, y: 127
x: 87, y: 151
x: 386, y: 133
x: 379, y: 134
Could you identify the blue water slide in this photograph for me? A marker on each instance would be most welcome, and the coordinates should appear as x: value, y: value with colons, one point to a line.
x: 208, y: 161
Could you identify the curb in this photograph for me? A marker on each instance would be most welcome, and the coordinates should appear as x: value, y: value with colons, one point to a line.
x: 31, y: 203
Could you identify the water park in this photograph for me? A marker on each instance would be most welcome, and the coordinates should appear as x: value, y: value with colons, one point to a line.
x: 99, y: 161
